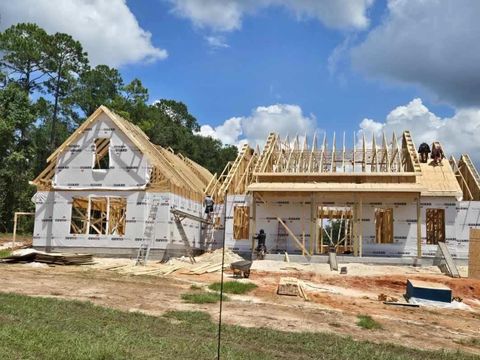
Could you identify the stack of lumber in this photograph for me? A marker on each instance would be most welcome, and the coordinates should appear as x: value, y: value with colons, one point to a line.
x: 212, y: 262
x: 31, y: 255
x: 291, y: 287
x: 64, y: 259
x: 205, y: 263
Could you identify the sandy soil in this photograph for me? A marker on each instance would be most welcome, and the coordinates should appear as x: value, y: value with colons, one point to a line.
x: 335, y: 300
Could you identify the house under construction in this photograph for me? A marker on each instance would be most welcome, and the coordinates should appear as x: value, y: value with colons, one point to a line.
x: 109, y: 190
x: 376, y: 199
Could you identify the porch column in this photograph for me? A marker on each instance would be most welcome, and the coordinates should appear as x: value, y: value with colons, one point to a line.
x: 360, y: 235
x: 253, y: 223
x: 355, y: 226
x: 313, y: 229
x: 419, y: 228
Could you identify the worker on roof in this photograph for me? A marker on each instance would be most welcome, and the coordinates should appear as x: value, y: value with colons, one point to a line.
x: 437, y: 153
x: 208, y: 203
x: 424, y: 150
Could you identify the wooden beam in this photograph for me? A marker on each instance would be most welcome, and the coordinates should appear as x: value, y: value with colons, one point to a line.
x: 385, y: 149
x: 364, y: 153
x: 419, y: 229
x: 299, y: 243
x: 312, y: 153
x: 322, y: 156
x: 332, y: 158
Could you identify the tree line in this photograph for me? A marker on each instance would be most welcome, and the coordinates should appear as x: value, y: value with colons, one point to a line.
x: 48, y: 88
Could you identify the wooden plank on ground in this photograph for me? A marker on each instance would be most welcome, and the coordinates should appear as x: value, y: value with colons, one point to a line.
x: 299, y: 243
x: 332, y: 260
x: 452, y: 268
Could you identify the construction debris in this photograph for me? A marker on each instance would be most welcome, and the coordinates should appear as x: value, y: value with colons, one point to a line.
x: 385, y: 298
x: 396, y: 303
x: 449, y: 267
x: 205, y: 263
x: 291, y: 287
x: 30, y: 255
x: 332, y: 260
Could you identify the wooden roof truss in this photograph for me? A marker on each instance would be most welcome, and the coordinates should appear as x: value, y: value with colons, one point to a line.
x: 236, y: 176
x: 297, y: 156
x: 467, y: 176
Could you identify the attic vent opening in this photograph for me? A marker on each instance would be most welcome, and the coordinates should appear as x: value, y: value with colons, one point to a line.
x: 102, y: 154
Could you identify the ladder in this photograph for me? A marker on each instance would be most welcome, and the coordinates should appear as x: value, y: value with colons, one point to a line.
x: 148, y: 234
x: 179, y: 215
x: 209, y: 233
x: 183, y: 235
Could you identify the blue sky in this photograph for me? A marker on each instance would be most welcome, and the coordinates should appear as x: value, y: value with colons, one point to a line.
x: 248, y: 67
x: 274, y: 58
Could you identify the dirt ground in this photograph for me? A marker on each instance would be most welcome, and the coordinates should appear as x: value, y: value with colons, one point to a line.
x: 334, y: 300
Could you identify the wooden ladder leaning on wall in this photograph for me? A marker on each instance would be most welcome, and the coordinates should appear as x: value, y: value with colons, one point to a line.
x: 148, y: 235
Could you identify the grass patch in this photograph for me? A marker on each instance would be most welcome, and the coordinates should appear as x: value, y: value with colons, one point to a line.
x: 4, y: 253
x: 366, y: 322
x: 202, y: 297
x: 233, y: 287
x: 47, y: 328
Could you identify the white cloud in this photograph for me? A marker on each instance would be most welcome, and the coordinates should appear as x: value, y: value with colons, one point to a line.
x: 458, y: 134
x: 217, y: 41
x: 229, y: 132
x: 226, y: 15
x: 284, y: 119
x: 107, y: 29
x: 430, y: 43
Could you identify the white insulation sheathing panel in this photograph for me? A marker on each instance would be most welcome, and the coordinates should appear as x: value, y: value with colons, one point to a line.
x: 129, y: 168
x: 54, y: 210
x: 460, y: 216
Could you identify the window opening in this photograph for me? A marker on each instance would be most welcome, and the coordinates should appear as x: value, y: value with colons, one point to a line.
x: 102, y: 154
